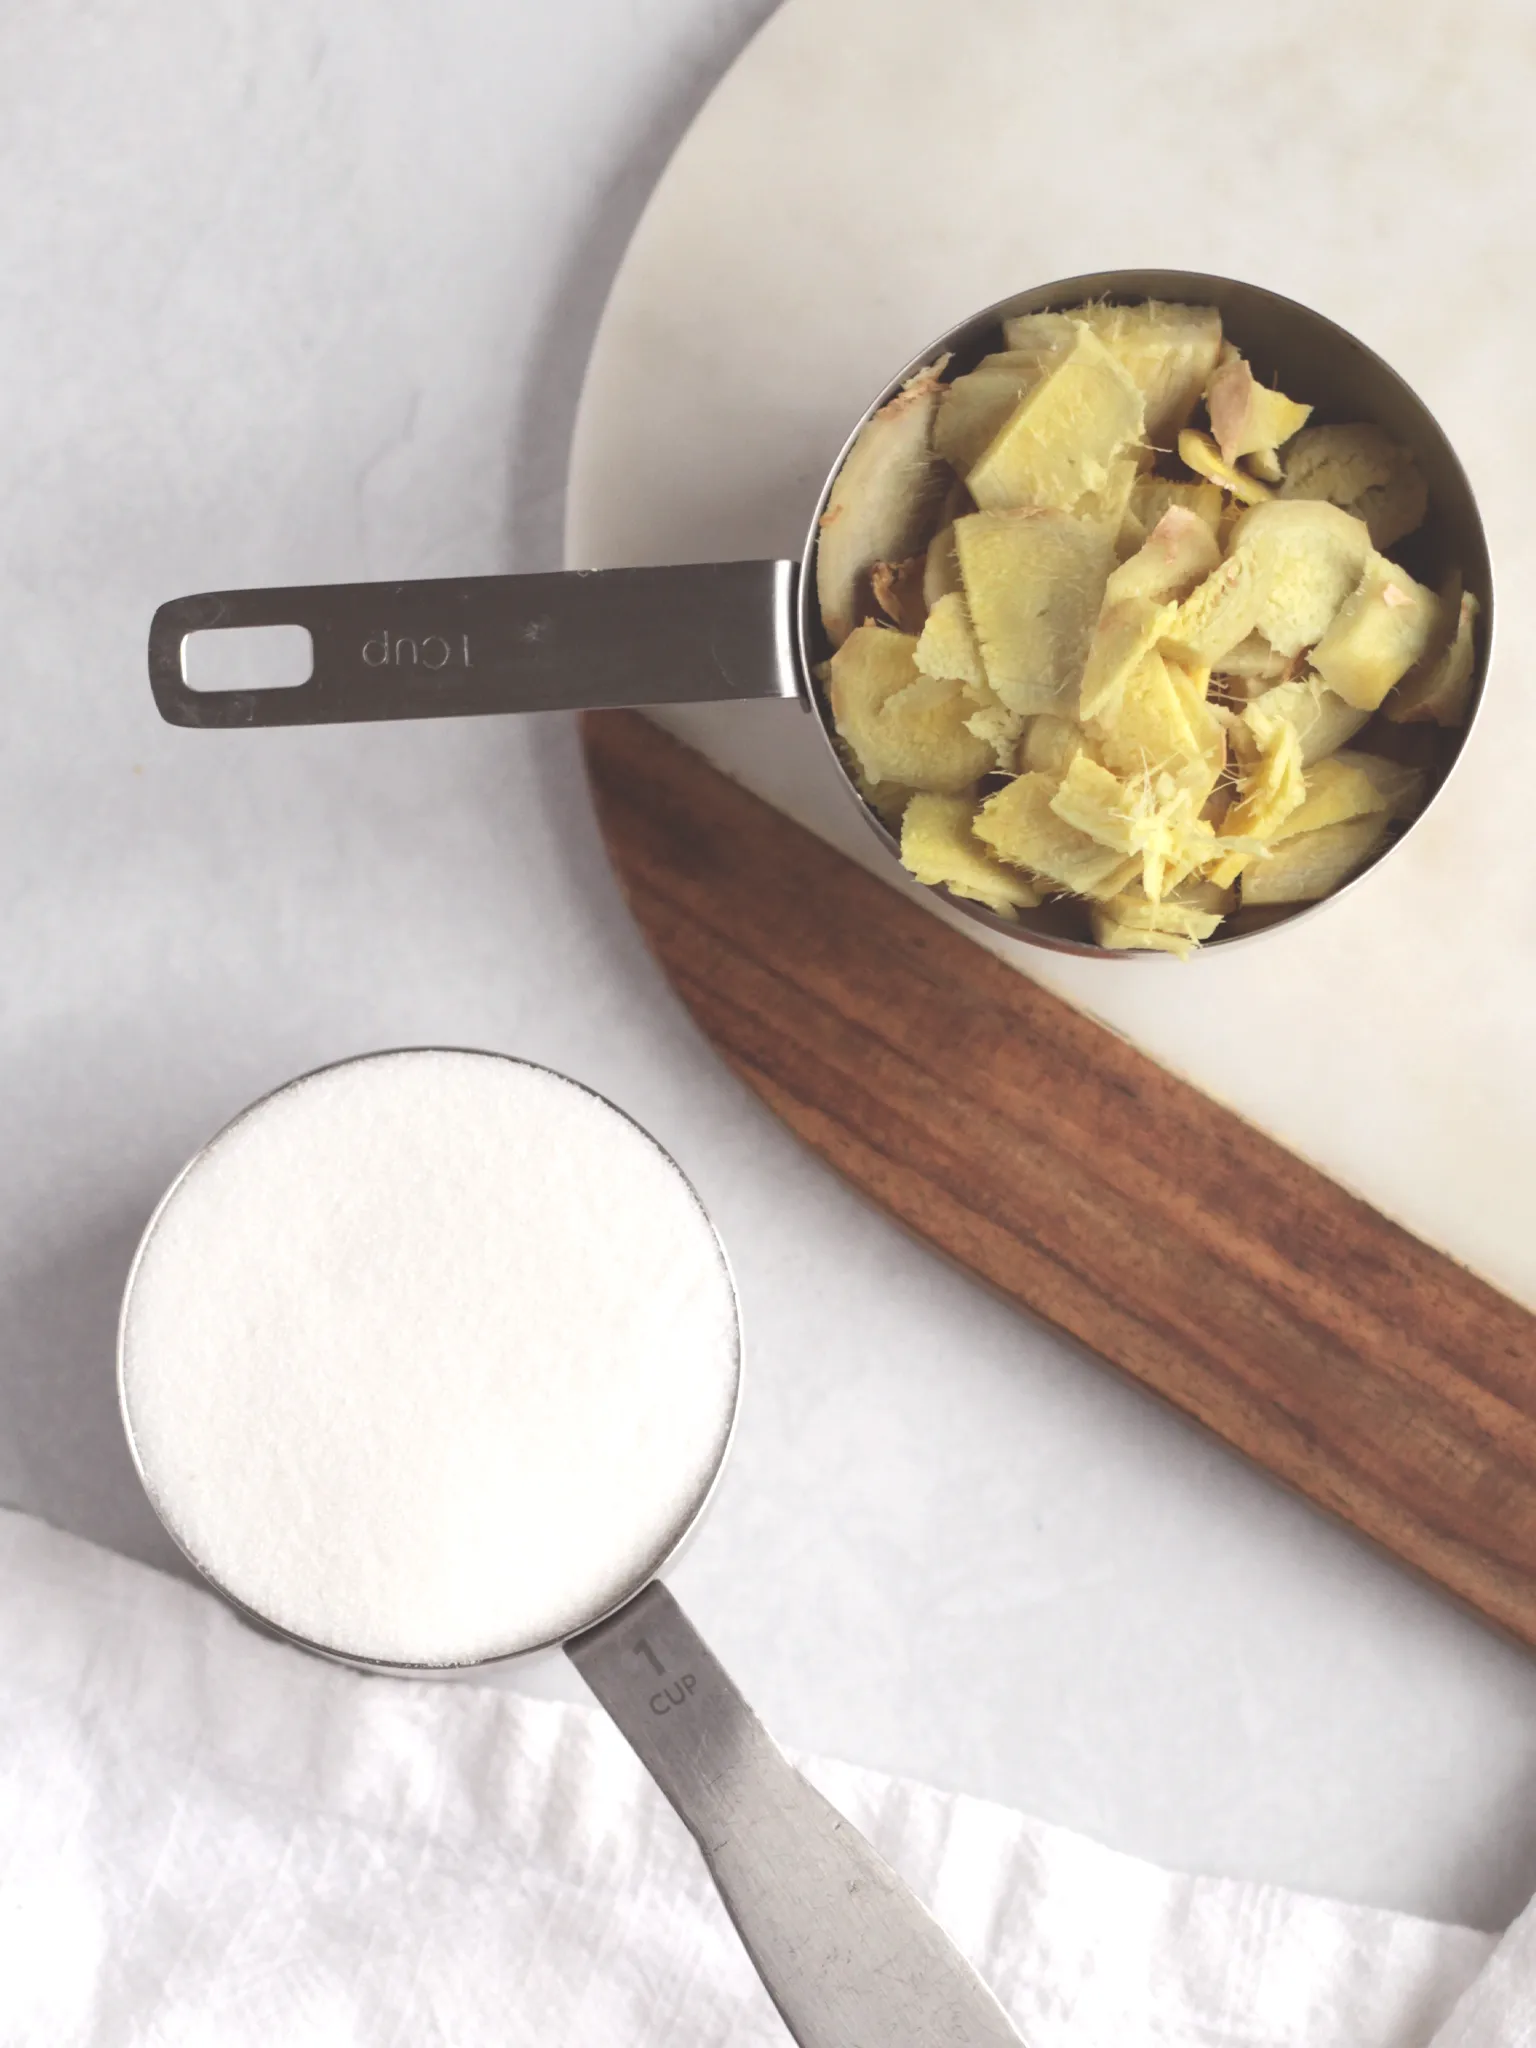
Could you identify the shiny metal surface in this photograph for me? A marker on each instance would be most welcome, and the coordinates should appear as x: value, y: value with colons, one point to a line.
x: 579, y: 640
x: 594, y: 639
x: 848, y: 1955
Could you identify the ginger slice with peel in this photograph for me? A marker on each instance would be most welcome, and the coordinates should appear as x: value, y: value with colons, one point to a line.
x: 881, y: 502
x: 1314, y: 864
x: 1440, y: 689
x: 902, y: 726
x: 1199, y: 452
x: 939, y: 847
x: 1308, y: 556
x: 1364, y: 471
x: 1152, y: 496
x: 1249, y: 419
x: 1217, y: 613
x: 1178, y: 553
x: 1400, y: 786
x: 1382, y: 629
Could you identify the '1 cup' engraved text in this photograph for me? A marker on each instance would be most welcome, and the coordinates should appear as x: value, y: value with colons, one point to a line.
x: 407, y: 650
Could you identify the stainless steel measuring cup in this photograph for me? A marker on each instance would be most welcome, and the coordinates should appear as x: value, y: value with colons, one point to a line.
x: 847, y: 1953
x: 585, y: 640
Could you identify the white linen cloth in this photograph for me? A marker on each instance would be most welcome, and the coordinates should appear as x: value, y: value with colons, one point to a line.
x: 208, y: 1837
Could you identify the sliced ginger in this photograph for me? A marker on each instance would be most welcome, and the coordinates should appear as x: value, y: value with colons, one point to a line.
x: 1034, y: 581
x: 903, y: 727
x: 1321, y: 720
x: 1254, y: 664
x: 947, y: 645
x: 1150, y: 817
x: 1400, y: 786
x: 881, y: 503
x: 1307, y: 557
x: 1200, y: 453
x: 1383, y: 627
x: 1178, y: 553
x: 1162, y: 725
x: 1125, y: 635
x: 1441, y: 689
x: 1109, y: 673
x: 1314, y: 864
x: 1336, y: 789
x: 1269, y: 789
x: 975, y: 407
x: 1176, y: 924
x: 1168, y: 351
x: 1066, y: 439
x: 1219, y: 613
x: 1249, y: 419
x: 1020, y: 827
x: 1108, y: 507
x: 1051, y: 744
x: 939, y: 847
x: 1152, y: 496
x: 941, y: 566
x: 990, y: 719
x: 1364, y: 471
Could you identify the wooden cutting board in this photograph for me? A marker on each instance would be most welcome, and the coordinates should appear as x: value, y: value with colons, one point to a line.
x: 1089, y: 1185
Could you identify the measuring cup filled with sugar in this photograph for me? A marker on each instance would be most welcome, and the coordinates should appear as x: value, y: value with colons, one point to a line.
x: 1142, y: 611
x: 432, y: 1358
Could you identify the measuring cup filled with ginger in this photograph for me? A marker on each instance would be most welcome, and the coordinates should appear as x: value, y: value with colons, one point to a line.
x: 1142, y: 612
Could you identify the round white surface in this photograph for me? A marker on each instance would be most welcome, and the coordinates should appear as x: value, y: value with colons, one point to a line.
x: 430, y: 1357
x: 1086, y: 1615
x: 874, y: 170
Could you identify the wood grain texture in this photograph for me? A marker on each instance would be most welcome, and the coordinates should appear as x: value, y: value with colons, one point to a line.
x: 1087, y: 1183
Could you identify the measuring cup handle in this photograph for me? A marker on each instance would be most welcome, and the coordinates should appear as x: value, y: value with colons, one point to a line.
x: 575, y: 640
x: 848, y: 1955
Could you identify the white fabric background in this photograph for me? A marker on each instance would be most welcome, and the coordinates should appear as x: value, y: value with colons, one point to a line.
x: 210, y: 1838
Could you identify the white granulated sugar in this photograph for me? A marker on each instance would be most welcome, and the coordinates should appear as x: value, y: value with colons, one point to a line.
x: 430, y: 1357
